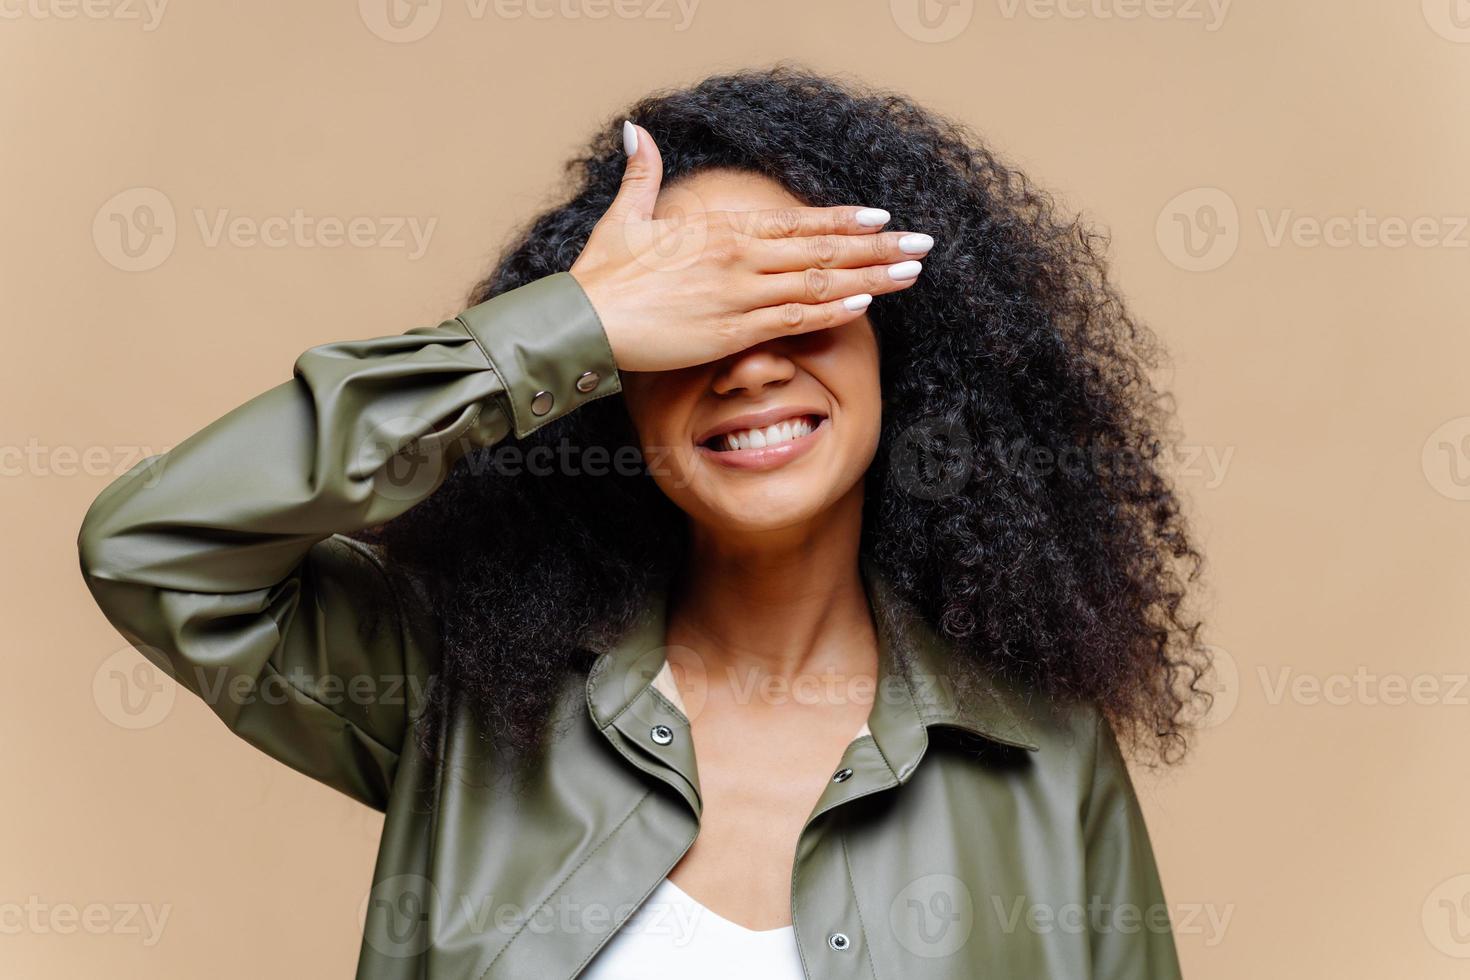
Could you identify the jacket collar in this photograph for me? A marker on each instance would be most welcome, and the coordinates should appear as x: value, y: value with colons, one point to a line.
x: 914, y: 693
x: 911, y: 650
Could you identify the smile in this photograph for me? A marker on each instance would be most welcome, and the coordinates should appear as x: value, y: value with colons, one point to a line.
x: 771, y: 435
x: 765, y: 440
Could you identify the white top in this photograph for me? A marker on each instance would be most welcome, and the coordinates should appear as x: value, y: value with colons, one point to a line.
x: 673, y: 937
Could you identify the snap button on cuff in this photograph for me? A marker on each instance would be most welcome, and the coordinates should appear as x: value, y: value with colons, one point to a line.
x: 588, y: 381
x: 842, y: 775
x: 661, y: 734
x: 839, y: 941
x: 541, y: 402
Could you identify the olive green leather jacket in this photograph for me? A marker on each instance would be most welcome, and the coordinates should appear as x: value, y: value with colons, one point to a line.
x: 990, y: 838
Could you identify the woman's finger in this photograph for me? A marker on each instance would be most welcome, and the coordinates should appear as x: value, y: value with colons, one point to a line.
x: 812, y: 286
x: 798, y: 222
x: 836, y: 251
x: 796, y: 318
x: 642, y: 177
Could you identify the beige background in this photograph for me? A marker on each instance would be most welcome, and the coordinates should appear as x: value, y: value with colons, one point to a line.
x: 1321, y: 828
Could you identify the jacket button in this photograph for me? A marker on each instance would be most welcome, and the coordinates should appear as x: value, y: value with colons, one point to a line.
x: 588, y: 381
x: 842, y: 775
x: 541, y: 402
x: 839, y: 941
x: 661, y: 734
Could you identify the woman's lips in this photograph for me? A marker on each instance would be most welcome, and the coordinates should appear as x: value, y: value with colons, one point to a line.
x: 767, y: 457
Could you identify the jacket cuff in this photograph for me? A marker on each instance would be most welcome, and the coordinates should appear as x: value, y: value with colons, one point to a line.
x: 547, y: 345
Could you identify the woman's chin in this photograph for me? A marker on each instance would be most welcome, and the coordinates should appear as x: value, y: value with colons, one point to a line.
x: 754, y: 513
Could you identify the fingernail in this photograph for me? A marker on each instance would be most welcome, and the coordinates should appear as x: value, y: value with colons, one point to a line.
x: 858, y: 302
x: 905, y: 270
x: 630, y: 138
x: 915, y: 244
x: 872, y: 217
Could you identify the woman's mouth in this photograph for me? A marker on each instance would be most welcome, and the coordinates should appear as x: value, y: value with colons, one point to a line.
x: 763, y: 447
x: 770, y: 435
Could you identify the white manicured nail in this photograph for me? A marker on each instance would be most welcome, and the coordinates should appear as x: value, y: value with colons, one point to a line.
x: 915, y: 244
x: 858, y: 302
x: 872, y: 217
x: 630, y: 138
x: 905, y: 270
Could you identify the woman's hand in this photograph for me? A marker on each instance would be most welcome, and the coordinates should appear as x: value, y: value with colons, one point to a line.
x: 693, y: 288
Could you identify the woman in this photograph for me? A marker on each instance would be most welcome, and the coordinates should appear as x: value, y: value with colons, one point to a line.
x: 877, y: 533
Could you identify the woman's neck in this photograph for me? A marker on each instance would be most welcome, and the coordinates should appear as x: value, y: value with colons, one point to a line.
x: 783, y: 604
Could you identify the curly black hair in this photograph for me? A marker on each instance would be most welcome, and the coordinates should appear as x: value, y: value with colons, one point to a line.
x: 1019, y: 496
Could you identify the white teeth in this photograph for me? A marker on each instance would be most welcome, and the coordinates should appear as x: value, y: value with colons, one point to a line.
x: 769, y: 436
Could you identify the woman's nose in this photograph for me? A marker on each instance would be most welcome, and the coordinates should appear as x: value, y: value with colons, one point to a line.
x: 753, y: 369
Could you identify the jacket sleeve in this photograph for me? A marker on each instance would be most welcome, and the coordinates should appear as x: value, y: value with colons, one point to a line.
x: 224, y: 560
x: 1131, y: 933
